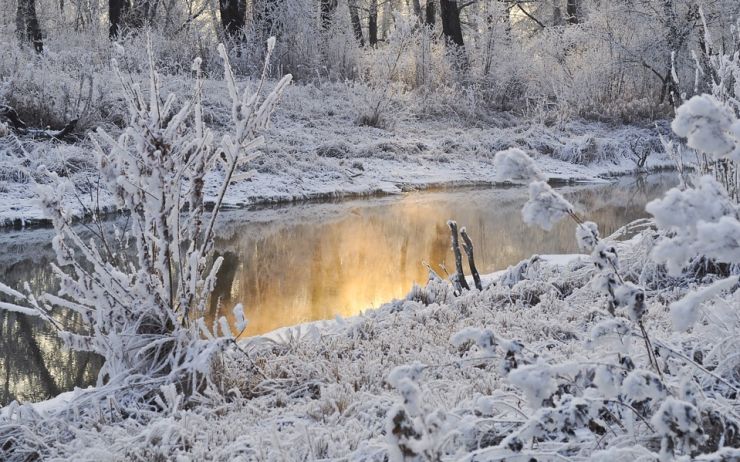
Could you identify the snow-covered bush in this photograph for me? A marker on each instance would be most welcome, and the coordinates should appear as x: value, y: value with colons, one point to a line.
x: 383, y: 76
x: 139, y: 294
x: 629, y: 380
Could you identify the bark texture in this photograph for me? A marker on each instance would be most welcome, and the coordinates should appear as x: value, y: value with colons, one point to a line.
x: 27, y: 24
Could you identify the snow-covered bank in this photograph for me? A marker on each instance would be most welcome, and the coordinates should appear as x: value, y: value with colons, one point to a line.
x: 326, y: 392
x: 318, y: 151
x: 628, y: 354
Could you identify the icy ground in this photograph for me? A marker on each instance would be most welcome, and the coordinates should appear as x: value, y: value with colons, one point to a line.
x: 316, y: 149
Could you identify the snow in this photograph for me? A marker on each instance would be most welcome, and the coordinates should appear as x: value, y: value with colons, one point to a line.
x: 537, y: 365
x: 545, y: 206
x: 515, y: 164
x: 318, y: 151
x: 709, y: 126
x: 702, y: 222
x: 587, y: 236
x: 329, y: 389
x: 685, y: 312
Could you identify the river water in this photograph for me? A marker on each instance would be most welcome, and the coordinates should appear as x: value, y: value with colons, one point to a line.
x: 295, y: 263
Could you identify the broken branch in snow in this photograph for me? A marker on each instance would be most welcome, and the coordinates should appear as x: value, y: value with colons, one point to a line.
x: 11, y: 116
x: 14, y: 121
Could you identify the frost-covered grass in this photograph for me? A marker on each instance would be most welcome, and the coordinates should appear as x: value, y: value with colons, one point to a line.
x: 628, y: 353
x: 323, y: 391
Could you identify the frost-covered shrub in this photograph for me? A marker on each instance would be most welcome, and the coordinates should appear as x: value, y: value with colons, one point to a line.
x: 515, y: 164
x: 139, y: 294
x: 629, y: 379
x: 382, y: 77
x: 545, y: 206
x: 414, y: 432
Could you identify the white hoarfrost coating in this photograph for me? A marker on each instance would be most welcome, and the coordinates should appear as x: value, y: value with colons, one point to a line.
x: 709, y: 126
x: 685, y: 312
x: 515, y: 164
x: 545, y: 206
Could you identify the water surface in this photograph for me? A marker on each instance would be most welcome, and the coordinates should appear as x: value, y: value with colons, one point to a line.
x: 297, y: 263
x: 338, y: 259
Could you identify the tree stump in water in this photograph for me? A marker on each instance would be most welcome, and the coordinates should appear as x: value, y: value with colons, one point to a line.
x: 460, y: 276
x: 468, y: 248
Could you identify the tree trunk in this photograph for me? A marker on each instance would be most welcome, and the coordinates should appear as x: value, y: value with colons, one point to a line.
x: 557, y: 16
x: 387, y: 15
x: 571, y: 11
x: 468, y: 248
x: 459, y: 273
x: 138, y: 14
x: 354, y: 16
x: 327, y: 9
x: 431, y: 13
x: 417, y: 10
x: 27, y: 24
x: 233, y: 14
x: 116, y: 10
x: 372, y: 23
x: 451, y: 27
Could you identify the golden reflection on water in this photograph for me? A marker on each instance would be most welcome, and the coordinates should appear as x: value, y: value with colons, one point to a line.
x: 367, y: 254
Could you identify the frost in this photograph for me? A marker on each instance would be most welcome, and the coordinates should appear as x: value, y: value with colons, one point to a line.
x: 709, y: 127
x: 608, y: 381
x: 484, y: 338
x: 640, y: 385
x: 141, y: 308
x: 680, y: 425
x: 410, y: 371
x: 536, y: 382
x: 609, y: 327
x: 587, y: 236
x: 632, y: 298
x: 685, y: 312
x: 700, y: 221
x: 719, y: 240
x: 515, y: 164
x: 545, y: 206
x: 240, y: 319
x: 604, y: 256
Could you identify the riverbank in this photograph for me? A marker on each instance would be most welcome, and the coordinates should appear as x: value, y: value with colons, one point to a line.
x: 318, y: 152
x: 414, y: 377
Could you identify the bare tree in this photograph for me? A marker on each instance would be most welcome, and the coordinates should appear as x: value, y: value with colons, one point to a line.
x: 233, y: 14
x: 263, y: 15
x: 116, y: 10
x: 372, y: 23
x: 327, y: 9
x: 354, y: 16
x: 430, y: 13
x: 451, y: 27
x: 571, y: 11
x: 27, y: 24
x: 417, y: 10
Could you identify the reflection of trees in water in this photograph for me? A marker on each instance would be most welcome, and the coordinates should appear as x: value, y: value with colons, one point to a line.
x: 35, y: 364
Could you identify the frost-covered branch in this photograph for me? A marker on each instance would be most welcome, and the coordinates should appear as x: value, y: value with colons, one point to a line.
x: 141, y: 307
